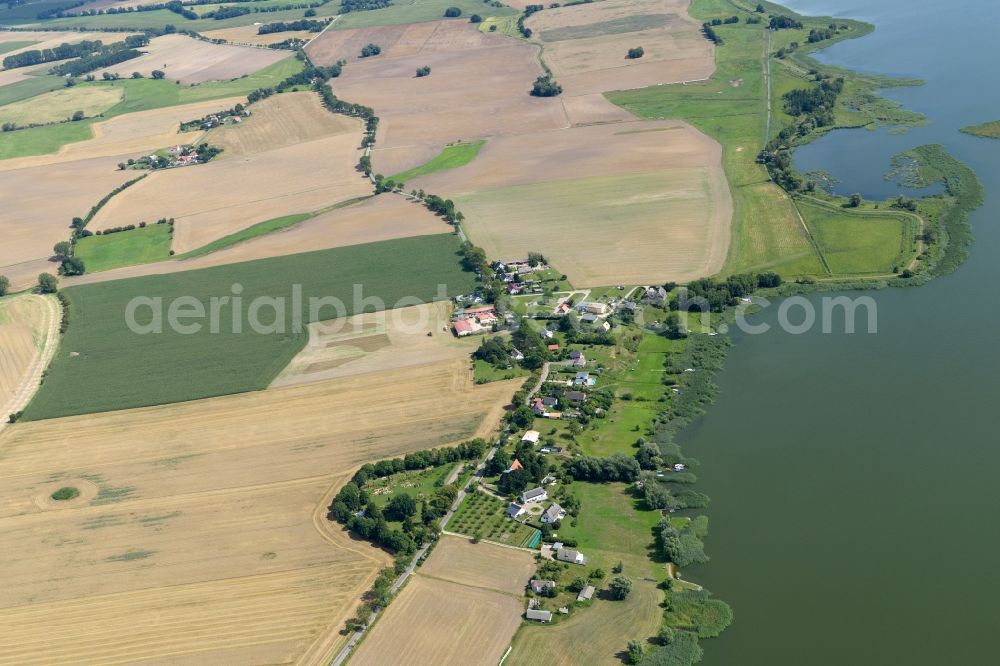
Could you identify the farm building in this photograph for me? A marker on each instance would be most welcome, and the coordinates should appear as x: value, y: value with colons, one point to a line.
x: 534, y: 495
x: 586, y: 593
x: 553, y: 514
x: 570, y: 555
x: 538, y: 615
x: 540, y: 586
x: 589, y: 319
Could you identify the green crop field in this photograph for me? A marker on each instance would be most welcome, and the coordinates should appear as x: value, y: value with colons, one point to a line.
x: 7, y: 47
x: 136, y: 95
x: 863, y: 242
x: 125, y: 248
x: 452, y: 157
x: 418, y: 11
x: 103, y: 365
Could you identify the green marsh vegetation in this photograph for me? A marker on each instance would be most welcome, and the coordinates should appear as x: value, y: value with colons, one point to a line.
x: 990, y: 130
x: 65, y: 493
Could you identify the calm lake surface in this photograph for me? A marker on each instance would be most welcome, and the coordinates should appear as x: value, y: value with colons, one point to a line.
x: 854, y: 478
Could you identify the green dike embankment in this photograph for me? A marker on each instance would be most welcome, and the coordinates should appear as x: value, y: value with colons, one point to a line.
x: 102, y: 365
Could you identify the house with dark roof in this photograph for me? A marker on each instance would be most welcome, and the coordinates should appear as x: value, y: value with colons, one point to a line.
x: 541, y: 586
x: 534, y: 495
x: 553, y: 514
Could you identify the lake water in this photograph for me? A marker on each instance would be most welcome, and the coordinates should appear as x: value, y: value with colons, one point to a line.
x: 854, y: 477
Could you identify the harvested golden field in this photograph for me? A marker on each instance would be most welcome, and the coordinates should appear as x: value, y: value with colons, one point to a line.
x: 27, y: 322
x: 129, y: 135
x: 585, y: 46
x: 376, y: 341
x: 60, y: 105
x: 48, y: 197
x: 466, y: 96
x: 247, y: 34
x: 191, y: 60
x: 434, y: 621
x: 397, y: 41
x: 279, y: 121
x: 628, y: 203
x: 458, y: 560
x: 375, y: 219
x: 217, y: 199
x: 199, y: 534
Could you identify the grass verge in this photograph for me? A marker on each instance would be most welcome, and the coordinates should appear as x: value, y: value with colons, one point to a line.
x: 452, y: 157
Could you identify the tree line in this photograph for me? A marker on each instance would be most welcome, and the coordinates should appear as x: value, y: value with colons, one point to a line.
x: 288, y: 26
x: 347, y: 6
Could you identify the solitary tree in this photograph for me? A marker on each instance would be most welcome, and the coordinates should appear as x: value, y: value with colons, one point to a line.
x: 634, y: 652
x: 4, y: 285
x: 371, y: 50
x: 423, y: 71
x: 78, y: 115
x: 62, y: 249
x: 620, y: 587
x: 636, y: 52
x: 452, y: 12
x: 855, y: 200
x: 47, y: 283
x: 136, y: 75
x: 158, y: 74
x: 475, y: 18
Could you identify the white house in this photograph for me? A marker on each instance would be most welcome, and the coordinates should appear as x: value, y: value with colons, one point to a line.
x: 534, y: 495
x: 531, y: 436
x: 514, y: 510
x: 569, y: 555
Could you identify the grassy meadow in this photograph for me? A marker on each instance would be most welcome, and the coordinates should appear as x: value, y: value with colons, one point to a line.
x: 125, y: 248
x: 862, y: 242
x: 452, y: 157
x: 102, y: 365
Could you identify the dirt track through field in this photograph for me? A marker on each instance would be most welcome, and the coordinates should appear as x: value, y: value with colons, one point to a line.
x: 29, y: 335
